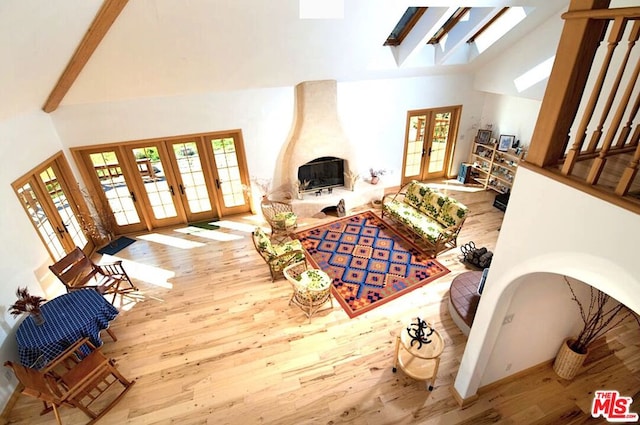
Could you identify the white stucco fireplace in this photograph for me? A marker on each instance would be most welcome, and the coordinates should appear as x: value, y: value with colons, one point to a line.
x: 317, y: 134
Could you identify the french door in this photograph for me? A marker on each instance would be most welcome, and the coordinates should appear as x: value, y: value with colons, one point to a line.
x: 110, y: 174
x: 192, y: 174
x: 162, y: 182
x: 429, y: 141
x: 55, y: 206
x: 230, y: 173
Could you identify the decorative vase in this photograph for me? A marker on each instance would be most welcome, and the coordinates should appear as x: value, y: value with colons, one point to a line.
x: 568, y: 362
x: 38, y: 318
x: 375, y: 179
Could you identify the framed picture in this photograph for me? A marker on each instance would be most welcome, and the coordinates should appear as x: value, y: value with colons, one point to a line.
x: 505, y: 142
x: 483, y: 136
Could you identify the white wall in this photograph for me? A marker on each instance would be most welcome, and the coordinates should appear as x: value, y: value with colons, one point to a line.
x: 373, y: 115
x: 566, y: 232
x: 543, y: 313
x: 25, y: 141
x: 498, y: 76
x: 510, y: 115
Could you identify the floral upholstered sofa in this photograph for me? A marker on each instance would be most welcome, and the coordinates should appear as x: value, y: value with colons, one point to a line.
x: 430, y: 215
x: 277, y: 256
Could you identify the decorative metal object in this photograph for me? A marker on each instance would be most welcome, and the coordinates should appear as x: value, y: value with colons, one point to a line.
x: 420, y: 331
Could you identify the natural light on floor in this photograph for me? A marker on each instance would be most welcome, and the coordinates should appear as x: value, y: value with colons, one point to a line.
x: 208, y: 234
x: 149, y: 274
x: 455, y: 185
x: 235, y: 226
x: 171, y: 241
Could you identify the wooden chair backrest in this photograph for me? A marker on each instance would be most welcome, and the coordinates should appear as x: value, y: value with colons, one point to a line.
x: 75, y: 269
x: 36, y: 384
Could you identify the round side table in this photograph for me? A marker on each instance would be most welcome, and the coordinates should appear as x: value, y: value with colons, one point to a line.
x: 419, y: 359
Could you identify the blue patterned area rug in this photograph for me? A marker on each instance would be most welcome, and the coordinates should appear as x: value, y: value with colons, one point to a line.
x: 370, y: 262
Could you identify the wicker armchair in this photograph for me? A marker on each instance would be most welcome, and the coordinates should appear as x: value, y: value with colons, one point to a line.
x: 277, y: 256
x: 311, y: 288
x: 281, y: 218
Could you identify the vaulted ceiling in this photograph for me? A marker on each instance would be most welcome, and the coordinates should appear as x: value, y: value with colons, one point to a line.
x: 172, y: 47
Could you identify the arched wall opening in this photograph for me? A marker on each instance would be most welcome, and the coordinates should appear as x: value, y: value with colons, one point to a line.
x: 535, y: 301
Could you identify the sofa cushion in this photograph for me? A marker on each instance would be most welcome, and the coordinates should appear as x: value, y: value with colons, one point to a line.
x: 432, y: 203
x: 284, y: 220
x: 415, y: 194
x: 287, y: 246
x: 426, y: 227
x: 452, y: 213
x: 282, y: 249
x: 264, y: 244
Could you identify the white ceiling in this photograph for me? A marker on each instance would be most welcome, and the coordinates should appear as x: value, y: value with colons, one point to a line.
x: 171, y: 47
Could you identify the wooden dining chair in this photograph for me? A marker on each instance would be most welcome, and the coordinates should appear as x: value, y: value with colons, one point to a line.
x: 79, y: 377
x: 77, y: 271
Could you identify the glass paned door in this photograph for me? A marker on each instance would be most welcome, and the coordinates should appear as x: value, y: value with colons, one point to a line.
x: 115, y: 189
x: 46, y: 229
x: 414, y: 147
x: 67, y: 211
x: 231, y: 177
x: 53, y: 207
x: 159, y: 188
x: 429, y: 138
x: 439, y: 139
x: 192, y: 179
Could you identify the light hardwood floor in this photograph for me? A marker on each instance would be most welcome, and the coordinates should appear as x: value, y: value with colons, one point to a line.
x: 214, y: 341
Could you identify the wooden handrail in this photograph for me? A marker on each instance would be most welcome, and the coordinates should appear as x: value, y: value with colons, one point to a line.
x: 608, y: 112
x: 619, y: 12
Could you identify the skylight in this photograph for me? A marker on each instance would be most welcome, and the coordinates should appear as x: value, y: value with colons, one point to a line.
x: 499, y: 26
x: 461, y: 14
x: 405, y: 24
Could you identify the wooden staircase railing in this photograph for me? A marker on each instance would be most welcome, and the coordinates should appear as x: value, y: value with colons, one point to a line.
x: 587, y: 131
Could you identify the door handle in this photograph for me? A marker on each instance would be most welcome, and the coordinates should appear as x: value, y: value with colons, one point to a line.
x: 181, y: 189
x: 218, y: 183
x: 60, y: 231
x: 133, y: 196
x: 171, y: 190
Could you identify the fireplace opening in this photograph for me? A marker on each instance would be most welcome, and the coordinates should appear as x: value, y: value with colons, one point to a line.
x: 324, y: 172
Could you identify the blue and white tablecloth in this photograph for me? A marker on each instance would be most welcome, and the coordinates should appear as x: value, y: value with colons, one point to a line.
x: 68, y: 318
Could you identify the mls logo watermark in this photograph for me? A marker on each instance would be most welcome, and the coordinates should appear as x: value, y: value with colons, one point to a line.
x: 613, y: 407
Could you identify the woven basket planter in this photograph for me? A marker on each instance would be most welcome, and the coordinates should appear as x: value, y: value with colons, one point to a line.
x: 568, y: 362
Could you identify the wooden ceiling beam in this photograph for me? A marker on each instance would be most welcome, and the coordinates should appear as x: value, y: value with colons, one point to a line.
x: 105, y: 17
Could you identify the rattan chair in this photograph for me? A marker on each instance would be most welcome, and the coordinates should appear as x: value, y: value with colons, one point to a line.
x: 277, y: 256
x: 311, y: 288
x: 79, y: 377
x: 281, y: 218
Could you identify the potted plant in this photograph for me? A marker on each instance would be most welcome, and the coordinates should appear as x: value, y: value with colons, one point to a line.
x: 375, y: 175
x: 28, y: 303
x: 96, y: 220
x: 602, y: 314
